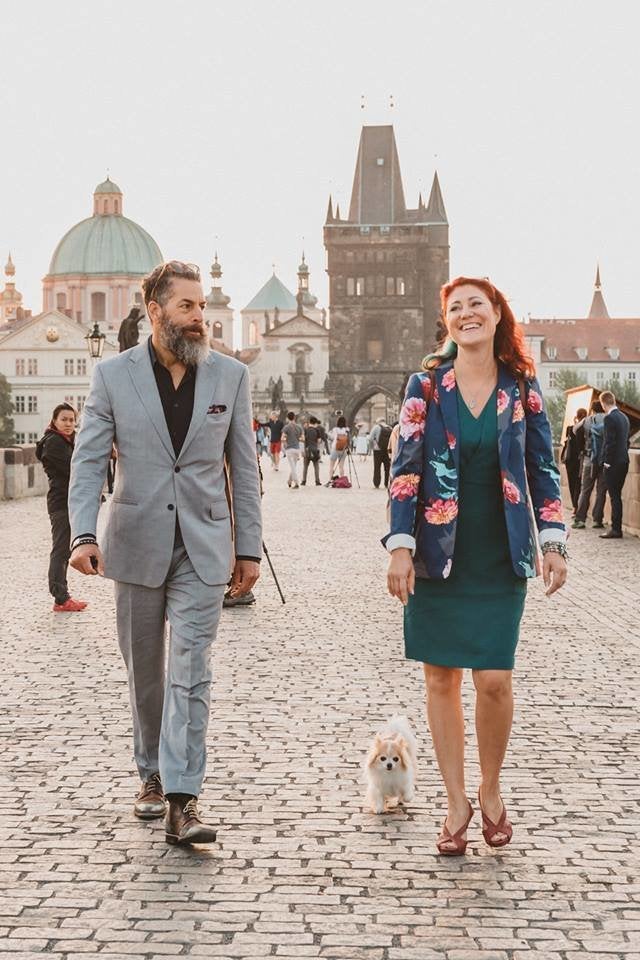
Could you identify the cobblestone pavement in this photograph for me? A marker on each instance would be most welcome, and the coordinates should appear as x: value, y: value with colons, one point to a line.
x: 300, y: 869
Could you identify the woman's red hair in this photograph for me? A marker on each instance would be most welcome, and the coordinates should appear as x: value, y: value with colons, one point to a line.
x: 509, y: 344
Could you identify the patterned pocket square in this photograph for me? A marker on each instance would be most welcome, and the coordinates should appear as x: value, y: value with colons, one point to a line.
x: 217, y: 408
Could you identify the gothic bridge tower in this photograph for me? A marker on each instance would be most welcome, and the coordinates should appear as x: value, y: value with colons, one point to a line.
x: 386, y: 264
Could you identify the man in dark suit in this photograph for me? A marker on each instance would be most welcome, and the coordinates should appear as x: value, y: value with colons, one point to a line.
x: 616, y: 460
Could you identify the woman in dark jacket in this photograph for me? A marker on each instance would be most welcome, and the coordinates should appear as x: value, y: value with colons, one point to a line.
x: 54, y: 450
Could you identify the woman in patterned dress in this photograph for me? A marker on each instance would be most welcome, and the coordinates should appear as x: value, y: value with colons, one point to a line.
x: 474, y: 462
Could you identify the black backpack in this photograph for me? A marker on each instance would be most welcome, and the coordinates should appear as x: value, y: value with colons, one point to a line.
x: 383, y: 439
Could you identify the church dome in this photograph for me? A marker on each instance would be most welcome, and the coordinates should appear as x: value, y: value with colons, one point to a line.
x: 107, y: 186
x: 107, y: 242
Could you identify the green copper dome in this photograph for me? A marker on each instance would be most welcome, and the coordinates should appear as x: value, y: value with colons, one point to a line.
x: 106, y: 243
x: 100, y: 245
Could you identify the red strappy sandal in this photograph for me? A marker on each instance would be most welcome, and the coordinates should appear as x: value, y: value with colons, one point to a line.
x: 490, y: 829
x: 446, y: 837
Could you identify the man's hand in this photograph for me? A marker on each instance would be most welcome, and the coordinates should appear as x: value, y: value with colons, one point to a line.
x: 245, y: 575
x: 81, y: 560
x: 554, y: 572
x: 401, y: 576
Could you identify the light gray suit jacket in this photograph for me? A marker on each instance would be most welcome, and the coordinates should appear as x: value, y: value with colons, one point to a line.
x: 124, y: 407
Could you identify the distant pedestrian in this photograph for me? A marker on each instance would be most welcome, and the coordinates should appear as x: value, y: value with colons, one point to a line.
x: 616, y: 460
x: 362, y: 443
x: 291, y: 438
x: 571, y: 455
x: 339, y: 437
x: 379, y: 441
x: 311, y: 450
x: 54, y: 451
x: 276, y: 426
x: 592, y: 470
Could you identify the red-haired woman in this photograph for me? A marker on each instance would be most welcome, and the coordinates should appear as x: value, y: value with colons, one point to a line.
x: 474, y: 458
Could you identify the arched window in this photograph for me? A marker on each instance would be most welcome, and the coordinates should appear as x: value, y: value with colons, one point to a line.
x: 253, y: 334
x: 217, y: 330
x: 116, y: 206
x: 106, y: 206
x: 98, y: 307
x: 61, y: 301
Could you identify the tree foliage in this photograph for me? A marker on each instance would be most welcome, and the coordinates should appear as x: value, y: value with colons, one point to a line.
x: 7, y: 437
x: 555, y: 403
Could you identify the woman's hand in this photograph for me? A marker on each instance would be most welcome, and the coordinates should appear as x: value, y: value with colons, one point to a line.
x: 554, y: 572
x: 401, y: 576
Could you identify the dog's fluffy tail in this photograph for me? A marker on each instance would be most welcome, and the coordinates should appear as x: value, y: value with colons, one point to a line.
x: 400, y: 724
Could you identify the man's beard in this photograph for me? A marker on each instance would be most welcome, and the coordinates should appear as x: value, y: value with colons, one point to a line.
x: 187, y: 351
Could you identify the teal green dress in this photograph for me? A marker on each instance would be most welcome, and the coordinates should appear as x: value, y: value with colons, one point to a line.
x: 472, y: 619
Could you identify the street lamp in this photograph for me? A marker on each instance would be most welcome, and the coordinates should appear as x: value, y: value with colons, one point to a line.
x: 95, y: 342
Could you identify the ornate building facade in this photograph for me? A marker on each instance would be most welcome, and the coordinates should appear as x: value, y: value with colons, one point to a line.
x: 386, y: 264
x: 45, y: 361
x: 287, y: 348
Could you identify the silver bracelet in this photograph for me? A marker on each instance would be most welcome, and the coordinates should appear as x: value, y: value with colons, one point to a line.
x: 555, y: 546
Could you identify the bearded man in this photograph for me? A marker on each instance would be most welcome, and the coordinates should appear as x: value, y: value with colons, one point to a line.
x: 176, y: 412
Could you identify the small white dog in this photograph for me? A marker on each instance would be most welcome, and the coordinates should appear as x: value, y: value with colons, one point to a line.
x: 391, y: 767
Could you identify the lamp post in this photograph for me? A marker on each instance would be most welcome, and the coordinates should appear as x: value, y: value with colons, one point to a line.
x: 95, y: 342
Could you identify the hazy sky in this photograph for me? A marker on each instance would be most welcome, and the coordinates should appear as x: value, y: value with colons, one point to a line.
x: 228, y: 124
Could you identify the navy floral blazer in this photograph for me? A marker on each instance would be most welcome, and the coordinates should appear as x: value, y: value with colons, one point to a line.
x: 424, y: 485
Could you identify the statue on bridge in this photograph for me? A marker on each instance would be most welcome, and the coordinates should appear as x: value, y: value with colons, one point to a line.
x: 129, y: 330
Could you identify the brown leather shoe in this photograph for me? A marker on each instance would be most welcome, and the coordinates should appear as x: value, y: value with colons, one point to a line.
x: 150, y: 803
x: 183, y: 824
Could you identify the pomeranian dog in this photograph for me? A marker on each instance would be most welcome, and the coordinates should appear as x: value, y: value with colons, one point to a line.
x: 391, y: 767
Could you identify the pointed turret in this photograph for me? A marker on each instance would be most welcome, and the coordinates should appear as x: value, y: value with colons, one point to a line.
x: 598, y: 310
x: 338, y: 212
x: 377, y: 196
x: 329, y: 218
x: 217, y: 298
x: 10, y: 298
x: 304, y: 297
x: 436, y: 212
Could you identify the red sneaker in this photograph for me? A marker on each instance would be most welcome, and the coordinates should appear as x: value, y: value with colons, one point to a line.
x: 69, y: 606
x: 80, y: 603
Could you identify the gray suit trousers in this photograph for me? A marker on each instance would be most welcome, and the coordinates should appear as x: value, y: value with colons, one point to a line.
x: 170, y: 704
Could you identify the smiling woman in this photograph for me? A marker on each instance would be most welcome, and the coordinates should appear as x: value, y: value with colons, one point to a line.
x: 473, y: 439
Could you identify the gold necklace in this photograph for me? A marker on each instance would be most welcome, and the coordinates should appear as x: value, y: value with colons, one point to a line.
x: 472, y: 402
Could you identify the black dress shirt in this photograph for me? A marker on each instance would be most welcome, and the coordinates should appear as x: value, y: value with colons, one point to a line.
x: 177, y: 402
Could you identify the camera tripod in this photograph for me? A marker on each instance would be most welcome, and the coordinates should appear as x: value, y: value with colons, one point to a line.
x: 352, y: 467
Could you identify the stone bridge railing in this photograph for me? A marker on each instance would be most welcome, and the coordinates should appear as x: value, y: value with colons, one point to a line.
x: 21, y: 474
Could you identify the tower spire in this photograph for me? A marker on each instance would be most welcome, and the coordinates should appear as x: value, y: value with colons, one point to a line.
x: 436, y: 212
x: 598, y: 310
x: 329, y: 218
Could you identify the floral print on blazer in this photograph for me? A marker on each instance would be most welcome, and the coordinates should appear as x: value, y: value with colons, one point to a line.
x: 424, y: 484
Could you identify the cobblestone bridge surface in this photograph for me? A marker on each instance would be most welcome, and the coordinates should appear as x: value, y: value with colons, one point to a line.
x: 301, y: 870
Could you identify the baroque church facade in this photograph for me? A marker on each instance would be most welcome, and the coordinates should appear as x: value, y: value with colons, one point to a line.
x: 286, y: 347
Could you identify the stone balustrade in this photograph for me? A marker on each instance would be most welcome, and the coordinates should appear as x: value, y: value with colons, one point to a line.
x: 21, y: 474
